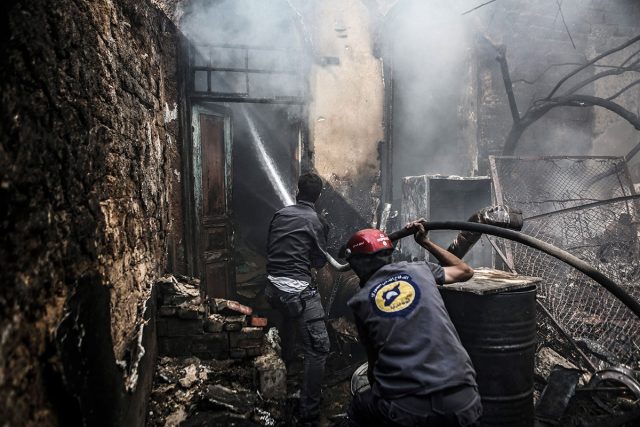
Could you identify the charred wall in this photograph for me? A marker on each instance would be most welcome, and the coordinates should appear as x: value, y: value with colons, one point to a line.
x: 540, y: 51
x: 89, y: 178
x: 347, y: 97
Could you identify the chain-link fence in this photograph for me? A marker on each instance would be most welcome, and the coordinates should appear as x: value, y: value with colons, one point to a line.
x: 587, y: 207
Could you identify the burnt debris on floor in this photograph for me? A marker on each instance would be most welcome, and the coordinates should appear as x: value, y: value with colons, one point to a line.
x: 219, y: 364
x: 192, y: 391
x: 568, y: 391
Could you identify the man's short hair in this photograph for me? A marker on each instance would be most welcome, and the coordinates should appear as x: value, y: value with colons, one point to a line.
x: 309, y: 187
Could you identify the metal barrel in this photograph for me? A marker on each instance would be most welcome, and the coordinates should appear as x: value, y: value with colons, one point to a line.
x: 498, y: 330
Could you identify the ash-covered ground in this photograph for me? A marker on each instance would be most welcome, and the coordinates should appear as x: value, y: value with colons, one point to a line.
x: 194, y: 392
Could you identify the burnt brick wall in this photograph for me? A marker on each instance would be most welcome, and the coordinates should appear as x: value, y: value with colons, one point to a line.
x: 540, y: 52
x: 89, y: 178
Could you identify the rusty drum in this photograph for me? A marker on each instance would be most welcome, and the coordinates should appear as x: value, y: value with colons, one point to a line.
x: 495, y: 316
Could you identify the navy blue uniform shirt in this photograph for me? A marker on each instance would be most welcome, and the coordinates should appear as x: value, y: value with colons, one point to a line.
x: 400, y: 315
x: 295, y: 236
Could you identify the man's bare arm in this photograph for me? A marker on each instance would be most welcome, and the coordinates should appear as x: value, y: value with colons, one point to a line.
x: 455, y: 270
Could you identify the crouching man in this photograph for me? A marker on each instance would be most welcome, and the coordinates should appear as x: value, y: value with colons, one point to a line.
x: 420, y: 374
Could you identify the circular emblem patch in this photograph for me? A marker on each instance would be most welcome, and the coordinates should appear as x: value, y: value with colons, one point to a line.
x: 396, y: 296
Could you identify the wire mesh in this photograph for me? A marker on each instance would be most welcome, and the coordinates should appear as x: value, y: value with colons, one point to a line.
x: 587, y: 207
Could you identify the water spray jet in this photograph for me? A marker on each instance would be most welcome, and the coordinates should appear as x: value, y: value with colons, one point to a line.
x: 268, y: 164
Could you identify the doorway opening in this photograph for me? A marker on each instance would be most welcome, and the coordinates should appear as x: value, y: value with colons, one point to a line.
x: 245, y: 58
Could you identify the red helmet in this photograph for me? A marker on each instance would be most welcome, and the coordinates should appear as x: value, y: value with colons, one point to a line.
x: 367, y: 242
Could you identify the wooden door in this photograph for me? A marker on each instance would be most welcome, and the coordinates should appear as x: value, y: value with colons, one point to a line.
x: 212, y: 195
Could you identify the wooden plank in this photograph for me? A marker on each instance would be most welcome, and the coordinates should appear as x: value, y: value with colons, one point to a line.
x: 217, y: 279
x: 216, y: 239
x: 487, y: 281
x: 508, y: 251
x: 213, y: 167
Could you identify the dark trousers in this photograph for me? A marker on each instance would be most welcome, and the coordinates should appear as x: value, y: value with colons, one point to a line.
x: 459, y: 407
x: 310, y: 325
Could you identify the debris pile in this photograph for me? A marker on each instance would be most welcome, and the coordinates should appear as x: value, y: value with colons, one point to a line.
x: 218, y: 364
x: 344, y: 338
x: 566, y: 394
x: 190, y: 392
x: 188, y: 325
x: 240, y: 392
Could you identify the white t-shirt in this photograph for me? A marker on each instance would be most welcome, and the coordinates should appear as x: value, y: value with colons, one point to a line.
x: 285, y: 284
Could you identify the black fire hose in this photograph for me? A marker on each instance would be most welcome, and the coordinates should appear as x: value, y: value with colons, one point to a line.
x: 545, y: 247
x: 516, y: 236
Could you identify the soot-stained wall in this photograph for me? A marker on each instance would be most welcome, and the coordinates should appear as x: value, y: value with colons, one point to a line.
x: 89, y: 168
x: 347, y: 98
x: 540, y: 51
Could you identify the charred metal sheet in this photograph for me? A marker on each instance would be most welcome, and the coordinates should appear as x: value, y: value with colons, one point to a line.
x: 561, y: 386
x: 444, y: 198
